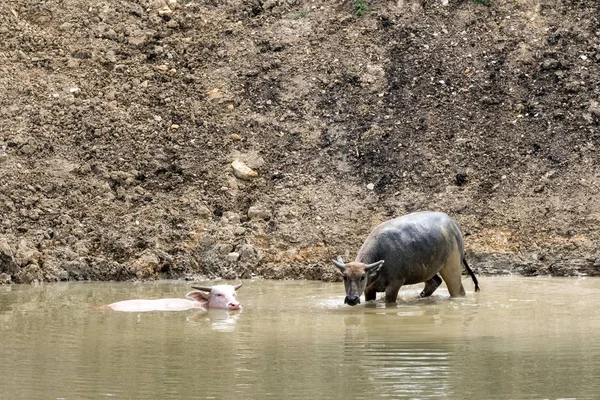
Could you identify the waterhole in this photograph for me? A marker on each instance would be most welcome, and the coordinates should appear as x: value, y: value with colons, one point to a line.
x: 519, y: 338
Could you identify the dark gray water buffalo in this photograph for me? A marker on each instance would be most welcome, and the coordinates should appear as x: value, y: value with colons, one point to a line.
x: 404, y: 251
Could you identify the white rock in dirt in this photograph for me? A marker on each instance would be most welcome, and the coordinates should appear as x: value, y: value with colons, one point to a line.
x: 233, y: 256
x: 370, y: 186
x: 242, y: 171
x: 258, y: 212
x: 166, y: 10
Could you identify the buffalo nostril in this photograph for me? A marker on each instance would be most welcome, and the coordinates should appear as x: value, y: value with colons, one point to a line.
x: 352, y: 300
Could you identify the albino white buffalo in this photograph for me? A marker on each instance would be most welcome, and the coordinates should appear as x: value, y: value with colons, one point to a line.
x: 218, y: 296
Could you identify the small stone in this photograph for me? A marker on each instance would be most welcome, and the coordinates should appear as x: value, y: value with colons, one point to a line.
x: 165, y: 11
x: 235, y: 137
x: 233, y: 257
x: 214, y: 94
x: 242, y: 171
x: 370, y: 186
x: 138, y: 39
x: 65, y: 26
x: 594, y: 108
x: 26, y: 255
x: 203, y: 211
x: 17, y: 141
x: 146, y: 265
x: 538, y: 189
x: 248, y: 255
x: 231, y: 217
x: 550, y: 63
x: 7, y: 261
x: 269, y: 4
x: 5, y: 279
x: 258, y: 212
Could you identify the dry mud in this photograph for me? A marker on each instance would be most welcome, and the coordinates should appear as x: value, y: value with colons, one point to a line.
x: 120, y: 121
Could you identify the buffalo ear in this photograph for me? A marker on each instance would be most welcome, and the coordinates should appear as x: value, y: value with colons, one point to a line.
x: 198, y: 296
x: 373, y: 268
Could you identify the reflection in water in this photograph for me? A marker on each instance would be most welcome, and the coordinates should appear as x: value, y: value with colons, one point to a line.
x: 519, y: 338
x: 220, y: 320
x: 399, y: 359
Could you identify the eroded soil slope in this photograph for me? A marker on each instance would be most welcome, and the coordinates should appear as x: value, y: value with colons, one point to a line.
x: 120, y: 121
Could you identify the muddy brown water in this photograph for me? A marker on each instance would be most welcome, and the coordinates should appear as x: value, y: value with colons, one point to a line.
x: 525, y: 338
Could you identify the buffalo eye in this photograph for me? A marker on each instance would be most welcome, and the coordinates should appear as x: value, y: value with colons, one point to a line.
x: 362, y: 278
x: 220, y: 295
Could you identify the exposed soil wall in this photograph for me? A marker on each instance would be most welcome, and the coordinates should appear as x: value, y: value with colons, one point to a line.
x: 120, y: 121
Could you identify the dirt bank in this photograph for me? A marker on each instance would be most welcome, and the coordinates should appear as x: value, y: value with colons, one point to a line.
x: 120, y: 121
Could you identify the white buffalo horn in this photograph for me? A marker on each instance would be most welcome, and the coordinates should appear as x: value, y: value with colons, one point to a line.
x: 204, y: 289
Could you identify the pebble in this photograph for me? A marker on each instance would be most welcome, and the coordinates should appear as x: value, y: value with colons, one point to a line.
x: 370, y: 186
x: 258, y: 212
x: 165, y: 11
x: 242, y: 171
x: 233, y: 256
x: 5, y: 279
x: 594, y: 108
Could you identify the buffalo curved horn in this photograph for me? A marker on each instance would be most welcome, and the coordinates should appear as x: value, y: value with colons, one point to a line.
x: 339, y: 263
x: 374, y: 265
x: 239, y: 285
x: 202, y: 288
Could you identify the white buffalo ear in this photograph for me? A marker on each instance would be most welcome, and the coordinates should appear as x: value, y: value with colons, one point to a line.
x: 373, y: 268
x: 339, y: 263
x: 198, y: 296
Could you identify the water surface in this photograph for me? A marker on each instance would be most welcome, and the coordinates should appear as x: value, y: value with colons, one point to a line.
x: 520, y: 338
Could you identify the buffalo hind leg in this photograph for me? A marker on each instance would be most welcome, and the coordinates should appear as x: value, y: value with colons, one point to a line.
x: 431, y: 285
x: 452, y: 275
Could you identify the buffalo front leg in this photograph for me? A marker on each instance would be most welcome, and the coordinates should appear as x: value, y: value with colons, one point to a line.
x: 431, y: 285
x: 370, y: 294
x: 391, y: 293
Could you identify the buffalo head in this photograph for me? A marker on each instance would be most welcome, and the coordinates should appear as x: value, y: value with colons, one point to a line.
x: 355, y: 276
x: 218, y: 296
